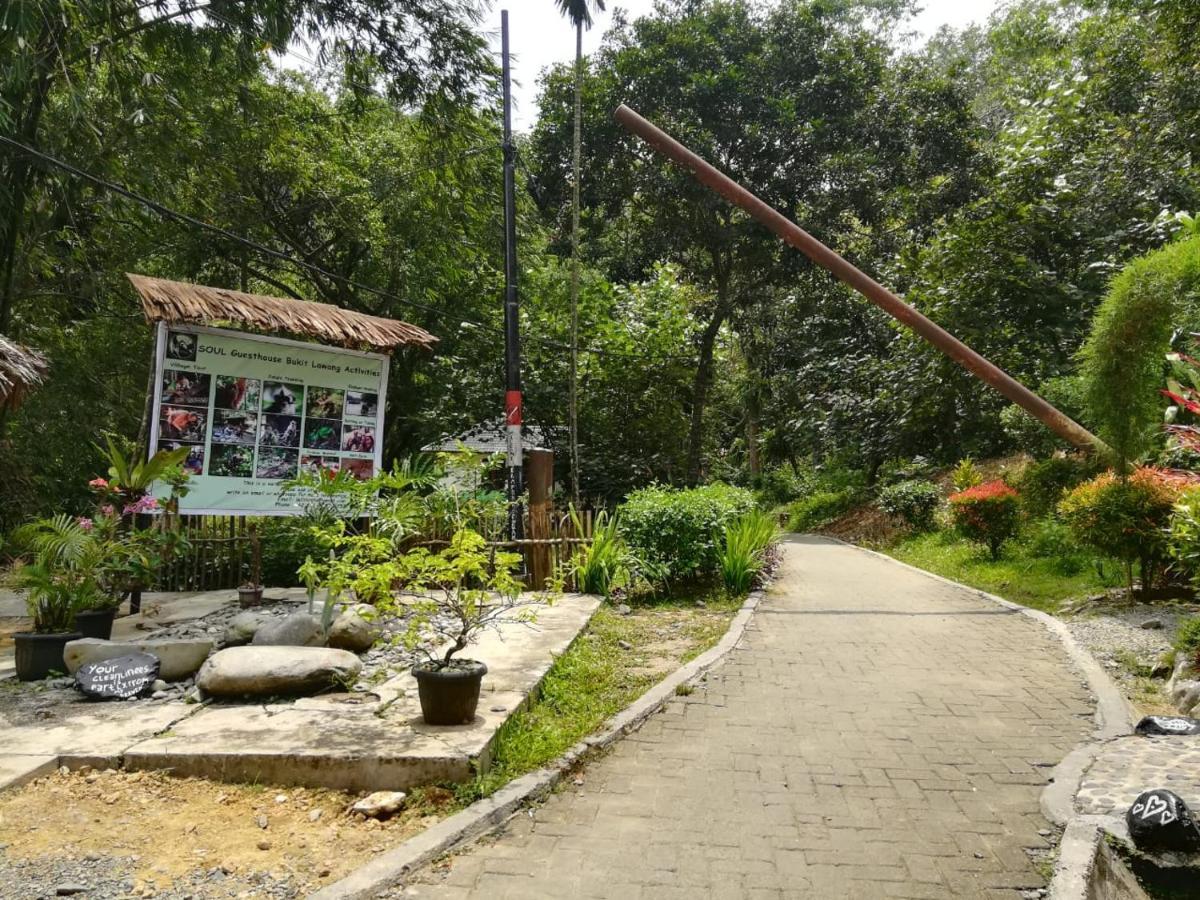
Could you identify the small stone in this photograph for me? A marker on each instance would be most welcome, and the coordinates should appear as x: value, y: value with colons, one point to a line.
x: 159, y: 695
x: 160, y: 685
x: 1152, y: 624
x: 261, y: 822
x: 323, y: 871
x: 624, y: 609
x: 93, y: 857
x: 700, y: 604
x: 281, y: 798
x: 264, y: 845
x: 380, y: 804
x: 625, y: 645
x: 63, y: 770
x: 1045, y: 832
x: 499, y: 709
x: 67, y: 889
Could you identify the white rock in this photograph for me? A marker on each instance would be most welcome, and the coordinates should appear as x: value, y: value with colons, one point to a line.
x: 268, y: 670
x: 380, y: 804
x: 179, y: 658
x: 354, y: 629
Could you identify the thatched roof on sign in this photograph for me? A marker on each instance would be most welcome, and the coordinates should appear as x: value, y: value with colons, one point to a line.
x: 21, y: 370
x: 196, y: 304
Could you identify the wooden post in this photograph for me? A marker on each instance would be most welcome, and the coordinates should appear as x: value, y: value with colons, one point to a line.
x: 539, y: 473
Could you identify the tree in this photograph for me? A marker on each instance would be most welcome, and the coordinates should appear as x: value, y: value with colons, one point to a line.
x: 580, y: 14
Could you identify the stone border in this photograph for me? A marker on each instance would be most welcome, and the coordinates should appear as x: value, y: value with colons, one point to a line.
x: 1082, y: 835
x: 484, y: 815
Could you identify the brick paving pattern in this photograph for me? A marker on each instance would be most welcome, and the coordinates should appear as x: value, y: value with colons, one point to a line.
x: 877, y: 733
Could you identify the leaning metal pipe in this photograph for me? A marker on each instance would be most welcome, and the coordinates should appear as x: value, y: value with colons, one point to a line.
x: 791, y: 233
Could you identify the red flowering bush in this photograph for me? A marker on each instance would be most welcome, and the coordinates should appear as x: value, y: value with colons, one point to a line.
x: 986, y: 514
x: 1126, y: 518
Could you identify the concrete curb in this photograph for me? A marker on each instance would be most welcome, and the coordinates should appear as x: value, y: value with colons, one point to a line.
x: 1114, y: 718
x: 484, y: 815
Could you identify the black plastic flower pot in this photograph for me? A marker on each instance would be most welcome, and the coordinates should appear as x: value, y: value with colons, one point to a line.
x: 450, y: 695
x: 37, y: 655
x: 95, y: 623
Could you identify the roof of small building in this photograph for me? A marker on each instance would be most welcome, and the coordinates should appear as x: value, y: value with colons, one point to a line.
x: 198, y: 304
x: 21, y: 370
x: 489, y: 437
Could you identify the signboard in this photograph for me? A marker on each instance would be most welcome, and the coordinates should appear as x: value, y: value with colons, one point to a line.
x: 257, y: 410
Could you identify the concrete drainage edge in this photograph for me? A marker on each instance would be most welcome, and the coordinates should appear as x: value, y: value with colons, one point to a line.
x: 484, y: 815
x: 1114, y: 718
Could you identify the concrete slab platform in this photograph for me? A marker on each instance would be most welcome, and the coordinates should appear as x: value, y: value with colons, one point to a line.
x: 350, y: 741
x: 18, y: 770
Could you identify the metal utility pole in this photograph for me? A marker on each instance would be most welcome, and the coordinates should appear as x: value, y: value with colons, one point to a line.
x: 792, y: 234
x: 515, y: 481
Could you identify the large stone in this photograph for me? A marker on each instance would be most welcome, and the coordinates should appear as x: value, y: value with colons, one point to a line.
x: 243, y: 627
x: 1183, y: 687
x: 179, y: 658
x: 380, y: 804
x: 1159, y: 820
x: 355, y: 629
x: 265, y: 671
x: 118, y: 678
x: 297, y: 630
x: 1169, y: 725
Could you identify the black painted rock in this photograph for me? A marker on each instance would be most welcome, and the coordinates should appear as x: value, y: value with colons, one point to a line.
x: 119, y: 678
x: 1160, y: 820
x: 1168, y: 725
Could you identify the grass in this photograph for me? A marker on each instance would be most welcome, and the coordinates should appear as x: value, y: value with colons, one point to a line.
x: 1040, y: 582
x: 597, y: 677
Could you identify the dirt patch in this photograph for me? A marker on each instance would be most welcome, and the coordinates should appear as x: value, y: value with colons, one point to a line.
x: 172, y: 831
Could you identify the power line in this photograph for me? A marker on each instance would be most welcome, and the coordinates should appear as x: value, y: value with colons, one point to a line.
x: 169, y: 213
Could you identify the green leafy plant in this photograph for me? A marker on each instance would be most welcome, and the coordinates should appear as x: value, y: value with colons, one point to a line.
x: 986, y: 514
x: 1187, y: 639
x: 677, y: 530
x: 1052, y: 540
x: 606, y: 562
x: 1183, y: 541
x: 820, y: 508
x: 1125, y: 518
x: 744, y: 547
x: 64, y: 576
x: 966, y: 474
x: 1042, y: 483
x: 915, y: 502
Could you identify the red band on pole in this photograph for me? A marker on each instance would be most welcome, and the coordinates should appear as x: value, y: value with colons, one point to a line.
x: 512, y: 408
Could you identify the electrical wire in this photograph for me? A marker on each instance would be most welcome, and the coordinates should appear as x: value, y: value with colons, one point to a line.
x: 169, y: 213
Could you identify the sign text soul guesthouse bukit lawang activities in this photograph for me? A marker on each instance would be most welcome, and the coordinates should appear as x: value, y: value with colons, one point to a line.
x: 255, y: 411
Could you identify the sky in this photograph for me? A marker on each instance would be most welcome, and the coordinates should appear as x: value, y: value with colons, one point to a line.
x: 539, y: 37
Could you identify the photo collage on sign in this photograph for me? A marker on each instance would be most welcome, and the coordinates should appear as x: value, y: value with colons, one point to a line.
x: 262, y: 429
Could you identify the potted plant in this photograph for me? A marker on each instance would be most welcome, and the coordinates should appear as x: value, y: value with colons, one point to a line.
x: 250, y: 592
x: 61, y: 580
x: 461, y: 590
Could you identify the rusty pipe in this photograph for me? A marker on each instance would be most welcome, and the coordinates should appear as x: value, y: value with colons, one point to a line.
x: 791, y: 233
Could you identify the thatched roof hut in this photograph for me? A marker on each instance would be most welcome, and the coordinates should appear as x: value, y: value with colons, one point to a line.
x: 179, y: 302
x: 21, y: 370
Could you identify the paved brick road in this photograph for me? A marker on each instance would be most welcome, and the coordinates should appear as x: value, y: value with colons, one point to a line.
x: 876, y: 734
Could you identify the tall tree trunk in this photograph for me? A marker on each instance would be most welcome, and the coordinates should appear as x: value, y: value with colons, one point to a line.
x: 753, y: 460
x: 573, y: 398
x: 700, y: 385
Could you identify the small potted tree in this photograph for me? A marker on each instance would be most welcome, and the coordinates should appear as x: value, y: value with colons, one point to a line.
x: 460, y: 590
x: 61, y: 580
x: 250, y: 591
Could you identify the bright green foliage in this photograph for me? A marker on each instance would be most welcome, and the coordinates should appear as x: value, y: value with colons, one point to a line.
x: 1183, y: 544
x: 679, y: 529
x: 746, y: 542
x: 1054, y: 542
x: 1042, y: 483
x: 915, y: 502
x: 1122, y: 360
x: 1124, y: 518
x: 1187, y: 638
x: 966, y: 474
x: 820, y: 508
x: 606, y: 562
x: 986, y: 514
x: 65, y: 574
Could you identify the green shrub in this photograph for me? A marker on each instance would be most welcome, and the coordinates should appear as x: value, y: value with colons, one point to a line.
x: 1122, y: 359
x: 1183, y: 542
x: 901, y: 470
x: 821, y: 508
x: 679, y: 529
x: 1187, y: 638
x: 1043, y: 483
x: 780, y: 484
x: 986, y: 514
x: 1027, y: 433
x: 913, y: 501
x: 285, y: 544
x: 607, y: 562
x: 966, y: 474
x: 1052, y: 540
x: 744, y: 548
x: 1125, y: 518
